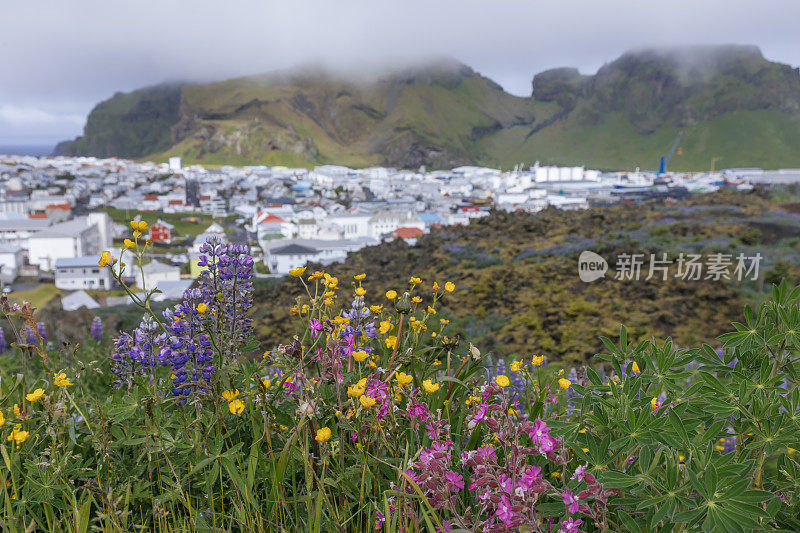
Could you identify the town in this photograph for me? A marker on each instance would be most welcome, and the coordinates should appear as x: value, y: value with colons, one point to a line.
x: 57, y: 214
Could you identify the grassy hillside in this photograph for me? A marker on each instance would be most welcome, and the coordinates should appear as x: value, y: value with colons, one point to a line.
x: 729, y: 102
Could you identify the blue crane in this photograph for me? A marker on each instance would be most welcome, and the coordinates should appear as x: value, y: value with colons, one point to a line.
x: 664, y: 162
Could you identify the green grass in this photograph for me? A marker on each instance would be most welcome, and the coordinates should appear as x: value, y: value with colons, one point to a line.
x: 763, y: 138
x: 186, y: 229
x: 37, y: 297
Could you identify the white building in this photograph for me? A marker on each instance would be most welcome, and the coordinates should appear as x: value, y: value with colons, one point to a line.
x: 10, y: 261
x: 175, y: 163
x: 154, y: 272
x: 281, y: 256
x: 82, y: 236
x: 75, y: 273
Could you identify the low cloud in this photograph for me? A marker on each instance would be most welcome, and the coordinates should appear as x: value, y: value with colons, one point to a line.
x: 18, y: 116
x: 83, y: 51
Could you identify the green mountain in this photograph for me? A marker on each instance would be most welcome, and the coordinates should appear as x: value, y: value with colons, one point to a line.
x: 728, y: 102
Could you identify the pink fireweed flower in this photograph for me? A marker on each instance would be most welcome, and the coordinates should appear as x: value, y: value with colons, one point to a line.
x: 530, y: 477
x: 540, y: 435
x: 579, y: 472
x: 479, y: 416
x: 570, y: 526
x: 571, y: 501
x: 379, y: 520
x: 505, y: 513
x: 418, y: 409
x: 314, y: 327
x: 446, y: 526
x: 454, y: 481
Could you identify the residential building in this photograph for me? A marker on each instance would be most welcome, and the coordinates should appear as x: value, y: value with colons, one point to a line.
x: 74, y: 273
x: 155, y: 272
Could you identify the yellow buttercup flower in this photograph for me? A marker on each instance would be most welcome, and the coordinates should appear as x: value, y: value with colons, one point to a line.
x: 2, y: 419
x: 315, y: 275
x: 354, y: 391
x: 18, y: 436
x: 202, y: 308
x: 17, y: 410
x: 360, y: 355
x: 564, y: 383
x: 502, y: 380
x: 391, y: 294
x: 230, y: 395
x: 430, y: 386
x: 449, y: 286
x: 360, y: 277
x: 61, y: 380
x: 330, y: 281
x: 376, y: 308
x: 141, y: 226
x: 431, y: 310
x: 415, y: 281
x: 35, y: 395
x: 403, y: 378
x: 137, y: 234
x: 391, y: 341
x: 105, y: 258
x: 323, y: 434
x: 266, y: 382
x: 444, y: 321
x: 416, y: 299
x: 236, y: 406
x: 538, y: 360
x: 361, y: 291
x: 385, y: 326
x: 435, y: 286
x: 129, y: 244
x: 635, y: 368
x: 367, y: 401
x: 516, y: 365
x: 297, y: 272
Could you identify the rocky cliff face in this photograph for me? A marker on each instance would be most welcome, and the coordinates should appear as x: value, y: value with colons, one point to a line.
x: 444, y: 114
x: 129, y: 125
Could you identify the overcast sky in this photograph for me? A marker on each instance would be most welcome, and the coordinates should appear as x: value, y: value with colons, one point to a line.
x: 59, y: 58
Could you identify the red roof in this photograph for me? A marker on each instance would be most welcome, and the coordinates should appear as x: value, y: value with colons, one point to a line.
x: 64, y: 207
x: 176, y: 202
x: 37, y: 215
x: 272, y: 219
x: 407, y: 233
x: 151, y: 197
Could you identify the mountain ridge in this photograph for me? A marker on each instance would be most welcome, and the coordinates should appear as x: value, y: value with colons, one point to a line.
x: 444, y: 114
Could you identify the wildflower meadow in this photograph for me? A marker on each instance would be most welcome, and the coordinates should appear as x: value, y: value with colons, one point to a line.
x: 374, y: 416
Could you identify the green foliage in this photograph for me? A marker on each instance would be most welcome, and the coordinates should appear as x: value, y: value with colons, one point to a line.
x: 700, y: 439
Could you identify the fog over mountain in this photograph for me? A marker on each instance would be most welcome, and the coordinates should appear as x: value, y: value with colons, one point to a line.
x: 61, y: 58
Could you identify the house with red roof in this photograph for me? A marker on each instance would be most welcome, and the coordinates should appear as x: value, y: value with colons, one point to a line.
x: 161, y: 232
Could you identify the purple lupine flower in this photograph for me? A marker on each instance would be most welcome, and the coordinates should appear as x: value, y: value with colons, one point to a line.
x: 226, y: 288
x: 42, y: 329
x: 96, y: 330
x: 3, y: 344
x: 30, y: 337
